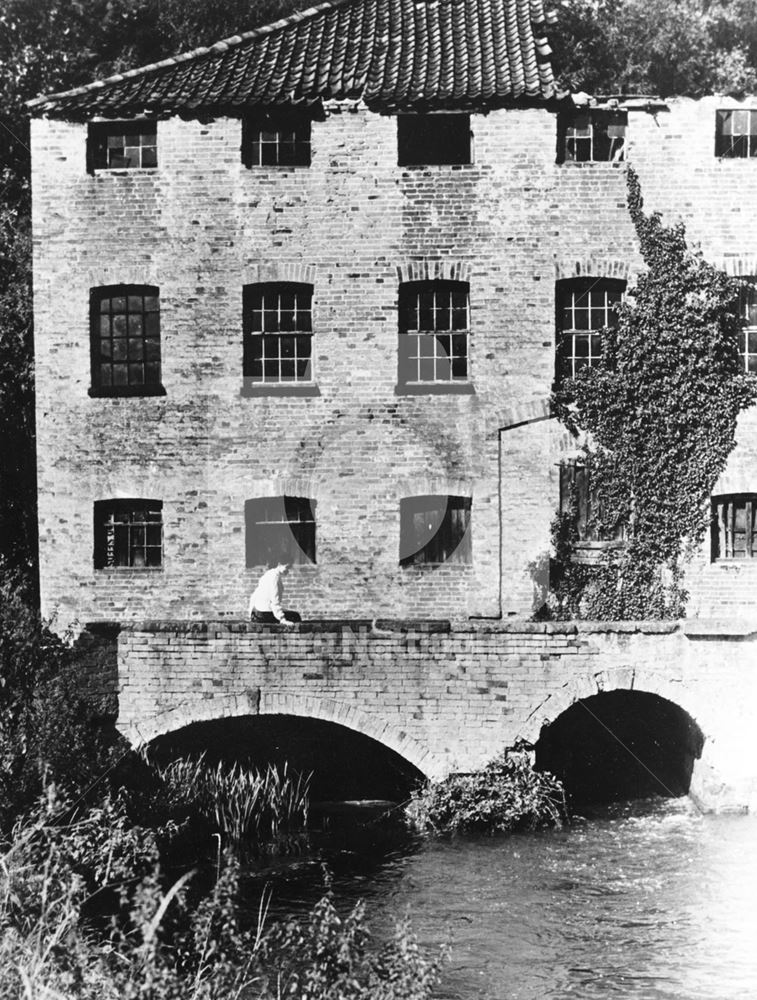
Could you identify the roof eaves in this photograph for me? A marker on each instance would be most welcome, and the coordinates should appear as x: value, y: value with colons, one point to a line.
x: 221, y: 46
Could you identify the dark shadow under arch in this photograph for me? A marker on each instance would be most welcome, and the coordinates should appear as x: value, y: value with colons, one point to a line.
x: 621, y: 745
x: 345, y: 764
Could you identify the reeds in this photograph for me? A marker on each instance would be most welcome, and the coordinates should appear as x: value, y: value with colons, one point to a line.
x: 263, y: 810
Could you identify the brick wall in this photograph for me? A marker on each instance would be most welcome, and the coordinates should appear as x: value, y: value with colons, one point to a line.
x: 354, y: 224
x: 445, y: 697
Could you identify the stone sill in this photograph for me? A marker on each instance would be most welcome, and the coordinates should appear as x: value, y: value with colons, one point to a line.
x: 435, y: 389
x: 125, y: 391
x: 264, y: 389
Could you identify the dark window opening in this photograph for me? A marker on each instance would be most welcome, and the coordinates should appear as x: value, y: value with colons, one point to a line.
x: 433, y: 139
x: 585, y: 307
x: 434, y: 530
x: 122, y: 145
x: 277, y: 139
x: 735, y: 134
x: 434, y: 324
x: 748, y: 317
x: 125, y: 340
x: 579, y: 497
x: 278, y: 332
x: 592, y: 136
x: 734, y: 526
x: 128, y: 533
x: 280, y: 529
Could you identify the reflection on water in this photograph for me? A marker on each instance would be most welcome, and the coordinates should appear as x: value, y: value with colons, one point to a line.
x: 644, y: 901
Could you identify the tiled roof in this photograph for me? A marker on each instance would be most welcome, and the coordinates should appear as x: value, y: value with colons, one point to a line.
x: 391, y: 53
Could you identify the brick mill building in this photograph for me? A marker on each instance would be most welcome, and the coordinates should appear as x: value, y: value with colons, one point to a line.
x: 306, y: 291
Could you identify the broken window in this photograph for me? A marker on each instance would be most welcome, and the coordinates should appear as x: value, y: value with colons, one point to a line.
x: 433, y: 139
x: 578, y: 497
x: 585, y: 306
x: 592, y: 135
x: 434, y: 530
x: 125, y: 340
x: 124, y: 145
x: 280, y: 529
x: 278, y: 332
x: 434, y: 323
x: 736, y: 133
x: 734, y: 526
x: 276, y: 139
x: 128, y: 533
x: 748, y: 317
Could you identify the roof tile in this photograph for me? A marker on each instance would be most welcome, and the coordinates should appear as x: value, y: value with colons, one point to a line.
x: 394, y: 54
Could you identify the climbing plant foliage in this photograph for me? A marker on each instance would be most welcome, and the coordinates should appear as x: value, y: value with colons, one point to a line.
x: 659, y: 415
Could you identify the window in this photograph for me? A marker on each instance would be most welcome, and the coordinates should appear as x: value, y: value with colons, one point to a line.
x: 124, y: 145
x: 125, y: 340
x: 748, y: 316
x: 280, y: 529
x: 278, y: 139
x: 434, y: 324
x: 278, y: 333
x: 128, y: 533
x: 734, y: 531
x: 585, y: 306
x: 435, y: 529
x: 579, y: 498
x: 433, y: 139
x: 593, y: 135
x: 735, y: 133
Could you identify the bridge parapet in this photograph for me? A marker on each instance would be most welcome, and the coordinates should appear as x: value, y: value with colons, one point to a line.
x: 445, y: 695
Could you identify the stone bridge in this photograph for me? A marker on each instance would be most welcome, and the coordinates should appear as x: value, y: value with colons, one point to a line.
x: 444, y: 696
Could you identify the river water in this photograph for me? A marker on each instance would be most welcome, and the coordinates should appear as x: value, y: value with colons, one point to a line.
x: 644, y: 901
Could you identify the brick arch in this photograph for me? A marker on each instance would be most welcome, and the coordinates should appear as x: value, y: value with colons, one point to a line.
x: 738, y: 265
x: 592, y: 267
x: 297, y: 271
x: 431, y: 269
x: 281, y: 703
x: 122, y: 274
x: 587, y: 685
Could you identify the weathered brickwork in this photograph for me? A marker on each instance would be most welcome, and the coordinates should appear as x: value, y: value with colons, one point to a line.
x: 446, y: 698
x: 353, y: 224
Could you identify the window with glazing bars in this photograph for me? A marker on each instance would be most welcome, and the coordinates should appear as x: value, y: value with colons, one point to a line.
x: 128, y: 533
x: 434, y: 530
x: 593, y: 135
x: 280, y: 529
x: 278, y: 139
x: 736, y: 133
x: 434, y: 323
x: 748, y: 317
x: 125, y: 339
x: 124, y: 145
x: 734, y: 526
x: 278, y: 327
x: 585, y: 306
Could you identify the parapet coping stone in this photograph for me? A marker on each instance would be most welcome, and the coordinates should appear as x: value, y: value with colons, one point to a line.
x: 376, y: 628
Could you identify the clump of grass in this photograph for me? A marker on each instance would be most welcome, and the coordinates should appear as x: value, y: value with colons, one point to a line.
x: 507, y: 795
x: 265, y: 811
x: 171, y: 944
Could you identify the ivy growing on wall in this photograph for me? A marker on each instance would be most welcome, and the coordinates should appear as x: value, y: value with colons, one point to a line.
x: 659, y: 414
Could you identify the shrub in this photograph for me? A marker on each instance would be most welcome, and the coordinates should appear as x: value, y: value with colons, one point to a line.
x: 507, y: 795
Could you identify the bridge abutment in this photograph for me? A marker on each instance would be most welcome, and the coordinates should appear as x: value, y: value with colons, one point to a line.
x: 445, y: 696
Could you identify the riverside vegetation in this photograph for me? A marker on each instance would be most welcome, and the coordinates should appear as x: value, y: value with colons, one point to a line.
x: 92, y: 903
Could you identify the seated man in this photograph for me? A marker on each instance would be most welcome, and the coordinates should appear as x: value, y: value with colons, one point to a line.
x: 265, y: 602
